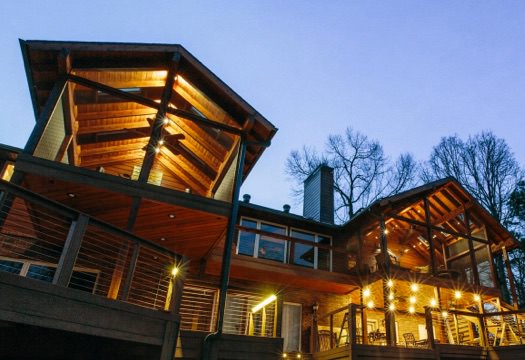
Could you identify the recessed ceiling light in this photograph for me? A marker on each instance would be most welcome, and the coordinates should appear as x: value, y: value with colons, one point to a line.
x: 162, y: 239
x: 71, y: 195
x: 171, y: 216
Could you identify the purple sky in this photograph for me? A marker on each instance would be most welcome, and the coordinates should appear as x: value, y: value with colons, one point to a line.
x: 403, y: 72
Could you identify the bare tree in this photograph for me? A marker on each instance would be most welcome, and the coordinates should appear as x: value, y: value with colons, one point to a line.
x: 484, y: 165
x: 362, y: 172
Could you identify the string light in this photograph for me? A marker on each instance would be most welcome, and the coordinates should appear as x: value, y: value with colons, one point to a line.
x: 366, y: 292
x: 444, y: 314
x: 370, y: 304
x: 411, y: 309
x: 412, y: 299
x: 174, y: 271
x: 433, y: 302
x: 392, y: 307
x: 391, y: 296
x: 414, y: 287
x: 389, y: 283
x: 477, y: 297
x: 457, y: 294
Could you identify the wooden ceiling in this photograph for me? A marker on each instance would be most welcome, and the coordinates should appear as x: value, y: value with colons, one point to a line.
x: 447, y: 203
x: 188, y: 232
x: 112, y: 101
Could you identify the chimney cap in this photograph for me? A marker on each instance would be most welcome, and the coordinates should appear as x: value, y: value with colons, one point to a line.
x: 286, y: 208
x: 246, y: 198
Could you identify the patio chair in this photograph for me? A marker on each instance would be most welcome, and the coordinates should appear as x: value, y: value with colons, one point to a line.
x: 410, y: 341
x: 323, y: 338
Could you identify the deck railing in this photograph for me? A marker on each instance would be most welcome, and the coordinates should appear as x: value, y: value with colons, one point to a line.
x: 47, y: 241
x: 343, y: 327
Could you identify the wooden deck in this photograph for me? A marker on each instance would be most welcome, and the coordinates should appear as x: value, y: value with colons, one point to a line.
x: 440, y: 352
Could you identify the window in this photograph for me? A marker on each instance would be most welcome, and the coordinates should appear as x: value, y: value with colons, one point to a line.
x: 256, y: 240
x: 81, y: 279
x: 272, y: 248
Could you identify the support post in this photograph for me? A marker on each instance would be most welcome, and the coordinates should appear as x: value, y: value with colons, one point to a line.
x: 429, y: 236
x: 511, y: 277
x: 123, y: 295
x: 472, y: 253
x: 352, y: 326
x: 430, y: 328
x: 69, y: 254
x: 232, y: 221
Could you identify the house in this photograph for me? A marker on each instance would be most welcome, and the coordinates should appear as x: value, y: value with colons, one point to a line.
x: 121, y: 235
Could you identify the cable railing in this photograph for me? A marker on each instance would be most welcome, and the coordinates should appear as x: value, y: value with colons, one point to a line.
x: 46, y: 241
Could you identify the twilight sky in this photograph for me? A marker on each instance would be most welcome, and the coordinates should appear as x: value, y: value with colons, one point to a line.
x: 403, y: 72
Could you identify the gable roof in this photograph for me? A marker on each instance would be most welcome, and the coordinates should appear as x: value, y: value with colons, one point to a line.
x: 207, y: 115
x: 456, y: 196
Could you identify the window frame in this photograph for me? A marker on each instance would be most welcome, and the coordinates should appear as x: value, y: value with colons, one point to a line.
x: 287, y: 243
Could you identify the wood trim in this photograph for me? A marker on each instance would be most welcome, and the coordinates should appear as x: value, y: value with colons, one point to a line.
x: 32, y: 165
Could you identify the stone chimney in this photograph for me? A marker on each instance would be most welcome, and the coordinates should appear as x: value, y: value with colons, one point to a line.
x: 318, y: 202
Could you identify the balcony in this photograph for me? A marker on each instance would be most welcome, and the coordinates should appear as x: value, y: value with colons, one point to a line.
x: 66, y: 271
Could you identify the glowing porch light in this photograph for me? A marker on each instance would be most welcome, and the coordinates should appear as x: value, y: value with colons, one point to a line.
x: 366, y: 292
x: 433, y: 302
x: 477, y: 297
x: 174, y: 271
x: 390, y: 283
x: 412, y: 299
x: 391, y: 307
x: 370, y: 304
x: 411, y: 309
x: 263, y: 303
x: 457, y: 294
x: 414, y: 287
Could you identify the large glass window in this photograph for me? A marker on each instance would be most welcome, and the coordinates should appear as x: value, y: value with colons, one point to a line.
x: 303, y: 254
x: 270, y: 247
x: 247, y: 239
x: 256, y: 240
x: 484, y: 267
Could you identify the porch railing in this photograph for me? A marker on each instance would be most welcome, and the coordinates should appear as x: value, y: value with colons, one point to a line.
x: 344, y: 327
x: 47, y: 241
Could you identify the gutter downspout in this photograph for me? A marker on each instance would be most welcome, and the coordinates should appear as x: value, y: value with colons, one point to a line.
x: 227, y: 253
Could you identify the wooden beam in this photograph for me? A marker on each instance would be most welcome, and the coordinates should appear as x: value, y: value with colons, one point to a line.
x: 42, y: 167
x: 69, y: 254
x: 152, y: 104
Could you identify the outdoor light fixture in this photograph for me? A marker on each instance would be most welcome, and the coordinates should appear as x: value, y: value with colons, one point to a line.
x: 385, y: 232
x: 157, y: 150
x: 298, y: 356
x: 263, y: 303
x: 285, y: 356
x: 391, y: 296
x: 444, y: 314
x: 390, y: 283
x: 161, y: 142
x: 71, y: 195
x: 171, y: 216
x: 433, y: 302
x: 477, y: 297
x: 412, y: 299
x: 366, y: 292
x: 166, y: 121
x: 411, y: 309
x: 457, y: 294
x: 414, y: 287
x: 174, y: 271
x: 370, y: 304
x: 391, y: 307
